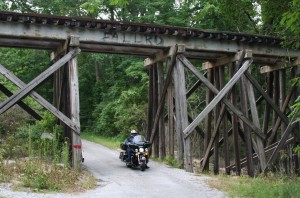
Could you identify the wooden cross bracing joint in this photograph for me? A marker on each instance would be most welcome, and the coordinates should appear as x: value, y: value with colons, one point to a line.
x: 163, y: 55
x: 226, y: 60
x: 279, y: 65
x: 21, y: 104
x: 28, y: 89
x: 219, y: 97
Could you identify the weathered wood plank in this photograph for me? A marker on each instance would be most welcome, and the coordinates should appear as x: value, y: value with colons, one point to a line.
x: 208, y: 119
x: 267, y: 97
x: 163, y: 55
x: 224, y: 123
x: 218, y: 98
x: 267, y: 109
x: 150, y: 104
x: 234, y: 121
x: 279, y: 66
x: 283, y: 139
x: 267, y: 151
x: 217, y: 123
x: 24, y: 106
x: 40, y: 99
x: 179, y: 129
x: 161, y: 125
x: 35, y: 82
x: 155, y: 107
x: 247, y: 134
x: 180, y: 93
x: 74, y: 106
x: 167, y: 82
x: 170, y: 103
x: 254, y: 113
x: 226, y: 60
x: 215, y: 91
x: 283, y: 109
x: 213, y: 138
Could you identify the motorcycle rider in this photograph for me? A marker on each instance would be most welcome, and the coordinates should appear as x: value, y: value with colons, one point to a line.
x: 129, y: 141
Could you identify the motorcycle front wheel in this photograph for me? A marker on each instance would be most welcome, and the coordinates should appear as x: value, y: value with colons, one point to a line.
x: 143, y: 166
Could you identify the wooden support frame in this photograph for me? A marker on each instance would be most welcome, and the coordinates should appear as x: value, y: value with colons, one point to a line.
x: 162, y: 100
x: 74, y: 104
x: 226, y: 60
x: 181, y: 111
x: 191, y: 127
x: 24, y: 106
x: 39, y: 98
x: 279, y: 66
x: 162, y: 56
x: 283, y: 139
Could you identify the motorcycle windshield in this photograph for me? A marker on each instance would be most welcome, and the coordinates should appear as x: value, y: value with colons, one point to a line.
x: 139, y: 139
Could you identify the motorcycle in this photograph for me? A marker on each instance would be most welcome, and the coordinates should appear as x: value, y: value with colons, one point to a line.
x: 139, y: 152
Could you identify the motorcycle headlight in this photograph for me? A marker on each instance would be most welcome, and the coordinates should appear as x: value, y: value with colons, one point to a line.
x: 141, y: 149
x: 146, y: 149
x: 136, y: 150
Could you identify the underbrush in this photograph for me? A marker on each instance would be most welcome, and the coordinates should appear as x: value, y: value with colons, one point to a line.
x: 270, y: 185
x: 110, y: 142
x: 37, y: 157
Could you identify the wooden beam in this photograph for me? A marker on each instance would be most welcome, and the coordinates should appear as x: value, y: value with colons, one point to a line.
x: 181, y: 108
x: 213, y: 138
x: 40, y: 99
x: 24, y: 106
x: 283, y: 139
x: 267, y: 150
x: 162, y: 55
x: 256, y: 129
x: 227, y: 59
x: 4, y: 106
x: 267, y: 97
x: 279, y: 66
x: 74, y: 104
x: 247, y: 132
x: 162, y: 100
x: 255, y: 118
x: 218, y: 98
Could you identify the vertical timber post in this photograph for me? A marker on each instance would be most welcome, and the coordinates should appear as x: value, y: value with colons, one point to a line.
x: 161, y: 125
x: 181, y: 109
x: 216, y: 116
x: 235, y: 126
x: 150, y: 104
x: 170, y: 102
x: 224, y: 124
x: 207, y: 135
x: 155, y: 146
x: 74, y: 102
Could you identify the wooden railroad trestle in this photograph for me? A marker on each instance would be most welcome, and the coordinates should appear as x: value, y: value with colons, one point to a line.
x: 231, y: 104
x: 259, y: 140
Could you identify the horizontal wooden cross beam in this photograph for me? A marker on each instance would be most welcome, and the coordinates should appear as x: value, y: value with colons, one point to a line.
x: 278, y: 66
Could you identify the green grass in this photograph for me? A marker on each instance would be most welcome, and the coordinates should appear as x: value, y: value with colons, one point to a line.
x: 263, y: 186
x: 110, y: 142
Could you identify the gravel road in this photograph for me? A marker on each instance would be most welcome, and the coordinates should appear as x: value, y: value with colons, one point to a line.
x: 116, y: 180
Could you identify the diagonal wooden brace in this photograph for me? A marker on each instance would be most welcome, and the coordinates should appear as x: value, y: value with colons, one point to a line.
x: 24, y: 106
x: 190, y: 128
x: 27, y: 89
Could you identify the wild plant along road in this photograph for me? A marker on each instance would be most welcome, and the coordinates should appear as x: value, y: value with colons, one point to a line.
x: 115, y: 180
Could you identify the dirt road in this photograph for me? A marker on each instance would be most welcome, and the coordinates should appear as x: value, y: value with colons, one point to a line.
x: 116, y: 180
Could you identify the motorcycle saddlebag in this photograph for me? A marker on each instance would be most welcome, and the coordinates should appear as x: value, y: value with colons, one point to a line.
x: 123, y: 146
